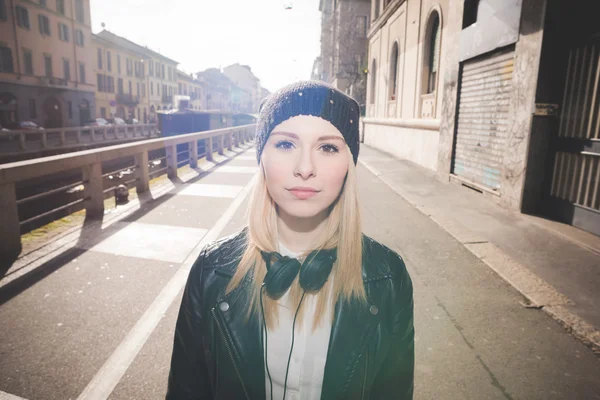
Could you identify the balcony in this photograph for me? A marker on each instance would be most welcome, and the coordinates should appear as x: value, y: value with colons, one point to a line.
x: 128, y: 99
x: 51, y: 81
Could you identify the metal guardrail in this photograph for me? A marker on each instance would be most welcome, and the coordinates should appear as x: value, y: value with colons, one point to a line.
x: 21, y: 141
x: 89, y: 163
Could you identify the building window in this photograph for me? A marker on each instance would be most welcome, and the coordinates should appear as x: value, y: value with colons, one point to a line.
x: 179, y: 88
x: 82, y: 72
x: 377, y: 5
x: 63, y: 32
x: 157, y: 89
x: 119, y: 64
x: 120, y: 85
x: 70, y: 109
x: 103, y: 112
x: 99, y: 58
x: 163, y: 71
x: 144, y: 90
x: 3, y: 15
x: 361, y: 26
x: 151, y: 68
x: 48, y: 65
x: 6, y: 61
x: 79, y: 37
x: 43, y: 3
x: 60, y: 6
x: 28, y: 61
x: 22, y: 17
x: 44, y: 23
x: 67, y: 70
x: 100, y: 82
x: 79, y: 14
x: 151, y: 88
x: 394, y: 58
x: 108, y: 61
x: 432, y: 53
x: 373, y: 81
x: 130, y: 88
x: 32, y: 109
x: 470, y: 12
x: 138, y: 89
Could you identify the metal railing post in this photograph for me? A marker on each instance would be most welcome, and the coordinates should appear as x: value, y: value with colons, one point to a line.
x: 44, y: 140
x: 142, y: 172
x: 105, y: 133
x: 171, y: 161
x: 93, y: 191
x: 229, y: 141
x: 63, y: 139
x: 10, y: 234
x: 193, y: 151
x: 209, y: 149
x: 78, y: 137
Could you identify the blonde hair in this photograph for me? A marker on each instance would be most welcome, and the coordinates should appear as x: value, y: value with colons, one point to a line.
x: 343, y: 231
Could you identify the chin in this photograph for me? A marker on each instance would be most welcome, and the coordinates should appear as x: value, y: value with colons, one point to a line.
x: 302, y: 209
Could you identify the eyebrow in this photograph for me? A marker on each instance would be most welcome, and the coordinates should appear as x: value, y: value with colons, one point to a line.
x: 294, y: 136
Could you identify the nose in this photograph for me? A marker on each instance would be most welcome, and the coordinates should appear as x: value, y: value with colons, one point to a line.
x: 305, y: 166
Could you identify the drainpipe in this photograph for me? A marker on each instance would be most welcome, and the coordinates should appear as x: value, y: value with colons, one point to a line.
x: 14, y: 14
x: 76, y: 66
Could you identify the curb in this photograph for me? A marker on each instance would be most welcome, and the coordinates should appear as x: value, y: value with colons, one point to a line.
x: 539, y: 293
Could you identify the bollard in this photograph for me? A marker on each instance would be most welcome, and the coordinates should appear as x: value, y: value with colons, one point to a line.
x: 142, y: 173
x: 221, y: 140
x: 10, y: 234
x: 193, y: 152
x: 172, y: 161
x: 93, y: 191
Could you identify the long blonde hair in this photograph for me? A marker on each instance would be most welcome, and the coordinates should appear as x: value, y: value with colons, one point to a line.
x: 343, y: 231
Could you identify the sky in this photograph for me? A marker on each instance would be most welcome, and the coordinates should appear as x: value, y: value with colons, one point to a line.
x: 279, y: 44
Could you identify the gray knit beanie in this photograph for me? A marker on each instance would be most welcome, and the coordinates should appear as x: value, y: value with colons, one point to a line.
x: 309, y: 98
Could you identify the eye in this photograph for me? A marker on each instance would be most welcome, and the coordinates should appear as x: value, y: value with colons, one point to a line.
x: 329, y: 148
x: 284, y: 145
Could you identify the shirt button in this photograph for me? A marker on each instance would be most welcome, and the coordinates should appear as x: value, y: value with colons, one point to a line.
x: 374, y: 310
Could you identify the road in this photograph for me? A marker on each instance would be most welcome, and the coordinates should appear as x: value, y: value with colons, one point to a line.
x: 97, y: 320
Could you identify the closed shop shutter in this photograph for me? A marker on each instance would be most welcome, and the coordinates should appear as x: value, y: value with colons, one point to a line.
x: 483, y: 117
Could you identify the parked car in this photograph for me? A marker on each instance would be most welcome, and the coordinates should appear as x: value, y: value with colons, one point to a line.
x: 97, y: 122
x: 117, y: 121
x: 29, y: 126
x: 133, y: 121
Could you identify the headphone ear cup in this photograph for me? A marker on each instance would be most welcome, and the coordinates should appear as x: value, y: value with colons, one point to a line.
x: 280, y: 276
x: 316, y: 269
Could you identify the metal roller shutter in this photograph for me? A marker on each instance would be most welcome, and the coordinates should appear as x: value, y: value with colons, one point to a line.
x: 482, y: 119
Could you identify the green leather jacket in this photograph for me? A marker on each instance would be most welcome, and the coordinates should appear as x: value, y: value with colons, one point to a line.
x: 217, y: 354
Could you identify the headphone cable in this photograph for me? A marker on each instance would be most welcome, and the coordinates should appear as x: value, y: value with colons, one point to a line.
x: 292, y: 348
x: 265, y: 340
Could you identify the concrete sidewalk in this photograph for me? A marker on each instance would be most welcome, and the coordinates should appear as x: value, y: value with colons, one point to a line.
x: 555, y: 266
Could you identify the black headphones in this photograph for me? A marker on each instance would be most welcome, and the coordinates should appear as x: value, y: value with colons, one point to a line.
x: 314, y: 272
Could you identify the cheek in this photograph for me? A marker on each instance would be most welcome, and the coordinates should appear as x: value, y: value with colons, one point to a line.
x: 334, y: 175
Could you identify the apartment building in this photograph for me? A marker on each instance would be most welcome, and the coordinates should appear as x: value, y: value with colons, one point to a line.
x: 155, y: 74
x: 187, y: 85
x: 121, y: 81
x: 46, y: 63
x: 247, y: 91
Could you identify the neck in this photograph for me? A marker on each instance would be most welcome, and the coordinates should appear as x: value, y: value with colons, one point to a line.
x: 299, y: 234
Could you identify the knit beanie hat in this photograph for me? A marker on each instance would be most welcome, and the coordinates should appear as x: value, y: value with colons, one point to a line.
x: 309, y: 98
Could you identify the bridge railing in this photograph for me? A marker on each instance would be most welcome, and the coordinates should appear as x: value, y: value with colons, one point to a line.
x: 56, y: 138
x: 89, y: 167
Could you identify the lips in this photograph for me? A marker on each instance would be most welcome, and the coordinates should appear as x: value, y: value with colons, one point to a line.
x: 303, y: 193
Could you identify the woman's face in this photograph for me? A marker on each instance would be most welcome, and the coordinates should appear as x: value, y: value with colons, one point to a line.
x: 305, y: 161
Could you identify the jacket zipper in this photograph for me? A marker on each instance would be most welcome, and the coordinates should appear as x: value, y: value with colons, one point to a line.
x: 365, y: 377
x: 230, y: 353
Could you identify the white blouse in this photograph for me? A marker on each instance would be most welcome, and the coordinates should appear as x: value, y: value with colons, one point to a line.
x: 307, y: 365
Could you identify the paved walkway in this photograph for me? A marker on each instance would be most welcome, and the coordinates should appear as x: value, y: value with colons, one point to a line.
x: 556, y: 266
x: 91, y: 315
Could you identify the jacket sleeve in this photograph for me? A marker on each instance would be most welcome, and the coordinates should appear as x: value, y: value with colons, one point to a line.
x: 188, y: 377
x: 395, y: 378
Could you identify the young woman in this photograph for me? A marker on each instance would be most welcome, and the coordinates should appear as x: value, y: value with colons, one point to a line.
x: 300, y: 304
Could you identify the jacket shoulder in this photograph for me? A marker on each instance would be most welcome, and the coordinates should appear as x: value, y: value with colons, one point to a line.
x: 379, y: 261
x: 225, y: 251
